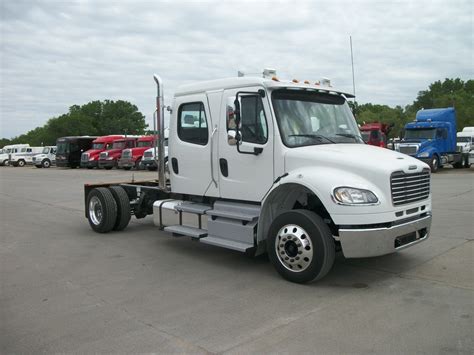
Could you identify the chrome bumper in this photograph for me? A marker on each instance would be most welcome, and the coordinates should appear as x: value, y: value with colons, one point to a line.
x: 362, y: 243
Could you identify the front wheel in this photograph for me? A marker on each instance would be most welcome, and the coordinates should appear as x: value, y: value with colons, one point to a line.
x: 21, y: 163
x: 300, y: 246
x: 46, y: 163
x: 434, y: 164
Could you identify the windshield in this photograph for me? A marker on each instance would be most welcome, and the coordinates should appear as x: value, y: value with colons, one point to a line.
x: 310, y: 118
x: 144, y: 144
x: 119, y: 145
x: 45, y: 150
x: 428, y: 133
x: 62, y: 147
x: 464, y: 139
x: 99, y: 146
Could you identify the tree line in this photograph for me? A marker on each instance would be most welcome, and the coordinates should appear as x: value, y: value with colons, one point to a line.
x: 100, y: 118
x: 96, y: 118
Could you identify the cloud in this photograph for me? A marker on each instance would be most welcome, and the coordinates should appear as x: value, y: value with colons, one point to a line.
x: 55, y: 54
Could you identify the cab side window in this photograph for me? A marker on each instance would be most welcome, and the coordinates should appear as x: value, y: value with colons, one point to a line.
x: 192, y: 123
x: 253, y: 122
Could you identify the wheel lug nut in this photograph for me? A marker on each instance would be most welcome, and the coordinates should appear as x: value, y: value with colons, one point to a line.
x: 298, y: 245
x: 292, y: 260
x: 284, y: 239
x: 286, y: 258
x: 300, y: 252
x: 297, y: 258
x: 281, y: 245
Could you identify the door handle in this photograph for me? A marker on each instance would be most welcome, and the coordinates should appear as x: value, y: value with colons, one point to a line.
x: 174, y: 164
x: 224, y: 167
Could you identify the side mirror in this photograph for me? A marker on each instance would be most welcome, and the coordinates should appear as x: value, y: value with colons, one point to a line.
x: 231, y: 137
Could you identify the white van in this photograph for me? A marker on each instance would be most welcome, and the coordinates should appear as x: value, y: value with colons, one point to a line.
x: 8, y: 150
x: 46, y: 158
x: 465, y: 144
x: 24, y: 156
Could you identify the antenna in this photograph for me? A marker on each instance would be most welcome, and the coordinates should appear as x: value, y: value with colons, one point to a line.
x: 352, y: 62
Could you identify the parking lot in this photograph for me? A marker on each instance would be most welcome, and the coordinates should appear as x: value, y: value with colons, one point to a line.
x: 64, y: 288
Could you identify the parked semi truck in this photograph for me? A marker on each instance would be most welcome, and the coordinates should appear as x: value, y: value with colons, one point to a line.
x: 90, y: 158
x: 465, y: 143
x: 109, y: 159
x: 264, y: 165
x: 132, y: 157
x: 432, y: 138
x: 375, y: 133
x: 46, y: 158
x: 70, y: 149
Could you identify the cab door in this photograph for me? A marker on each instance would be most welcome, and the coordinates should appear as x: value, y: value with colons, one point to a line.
x: 246, y: 169
x: 189, y: 157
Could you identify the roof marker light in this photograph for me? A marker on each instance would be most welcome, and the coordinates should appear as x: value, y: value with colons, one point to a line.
x: 306, y: 81
x: 317, y: 83
x: 295, y: 81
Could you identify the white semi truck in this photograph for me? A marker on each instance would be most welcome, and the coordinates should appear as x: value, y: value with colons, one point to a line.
x: 262, y: 165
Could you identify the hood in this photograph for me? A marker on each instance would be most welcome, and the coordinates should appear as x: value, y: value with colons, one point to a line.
x: 94, y: 151
x: 361, y: 159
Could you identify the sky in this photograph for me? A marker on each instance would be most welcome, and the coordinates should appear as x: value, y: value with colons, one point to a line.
x: 55, y: 54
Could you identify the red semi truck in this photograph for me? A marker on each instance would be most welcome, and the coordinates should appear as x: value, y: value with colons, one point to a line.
x: 132, y: 157
x: 109, y: 159
x: 90, y: 158
x: 375, y: 133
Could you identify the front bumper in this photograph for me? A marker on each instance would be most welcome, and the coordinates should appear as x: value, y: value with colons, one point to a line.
x: 149, y: 163
x: 89, y: 164
x: 106, y: 164
x: 126, y: 163
x: 368, y: 242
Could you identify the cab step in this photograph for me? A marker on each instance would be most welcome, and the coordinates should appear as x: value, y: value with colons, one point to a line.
x: 192, y: 232
x: 193, y: 207
x: 226, y: 243
x: 235, y: 211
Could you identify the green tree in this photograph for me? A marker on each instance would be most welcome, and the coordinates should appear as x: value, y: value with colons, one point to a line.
x: 95, y: 118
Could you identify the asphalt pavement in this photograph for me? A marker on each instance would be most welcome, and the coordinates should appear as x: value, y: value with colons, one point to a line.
x: 66, y: 289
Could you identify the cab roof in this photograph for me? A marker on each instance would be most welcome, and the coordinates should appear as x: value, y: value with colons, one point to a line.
x: 242, y: 82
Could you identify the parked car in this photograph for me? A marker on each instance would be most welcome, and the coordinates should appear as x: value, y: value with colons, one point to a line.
x: 46, y: 158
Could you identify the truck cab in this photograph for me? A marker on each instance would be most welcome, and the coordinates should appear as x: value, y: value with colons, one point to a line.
x: 375, y: 133
x: 109, y: 159
x: 432, y: 138
x: 8, y: 150
x: 24, y: 156
x: 132, y: 157
x: 265, y: 165
x: 46, y: 158
x: 90, y: 158
x: 69, y: 150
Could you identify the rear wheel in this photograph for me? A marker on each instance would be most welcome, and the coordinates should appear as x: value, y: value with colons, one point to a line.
x: 101, y: 210
x: 123, y: 207
x: 46, y: 163
x: 300, y: 246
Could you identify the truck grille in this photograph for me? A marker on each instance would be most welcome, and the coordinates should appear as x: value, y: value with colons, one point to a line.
x: 85, y: 157
x: 148, y: 155
x: 126, y: 153
x: 103, y: 155
x: 410, y: 150
x: 409, y: 188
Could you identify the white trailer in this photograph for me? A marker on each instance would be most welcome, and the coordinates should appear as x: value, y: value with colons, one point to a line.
x: 262, y: 165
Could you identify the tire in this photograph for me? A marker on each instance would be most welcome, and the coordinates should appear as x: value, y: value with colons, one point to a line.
x: 46, y: 163
x: 90, y: 167
x: 123, y: 207
x: 434, y: 164
x: 108, y: 167
x: 39, y: 166
x: 5, y: 162
x: 137, y: 164
x: 310, y: 239
x: 101, y: 210
x: 151, y: 168
x: 21, y: 163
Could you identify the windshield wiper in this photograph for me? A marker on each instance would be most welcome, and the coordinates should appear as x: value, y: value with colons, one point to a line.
x: 317, y: 136
x: 350, y: 135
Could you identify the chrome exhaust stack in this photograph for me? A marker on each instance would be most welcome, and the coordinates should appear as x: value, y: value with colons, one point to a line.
x: 160, y: 125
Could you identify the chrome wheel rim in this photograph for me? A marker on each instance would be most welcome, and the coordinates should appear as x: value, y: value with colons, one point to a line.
x: 95, y: 210
x: 294, y: 248
x: 46, y: 164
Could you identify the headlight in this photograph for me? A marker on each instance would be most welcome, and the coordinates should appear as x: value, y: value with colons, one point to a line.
x: 424, y: 155
x: 352, y: 196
